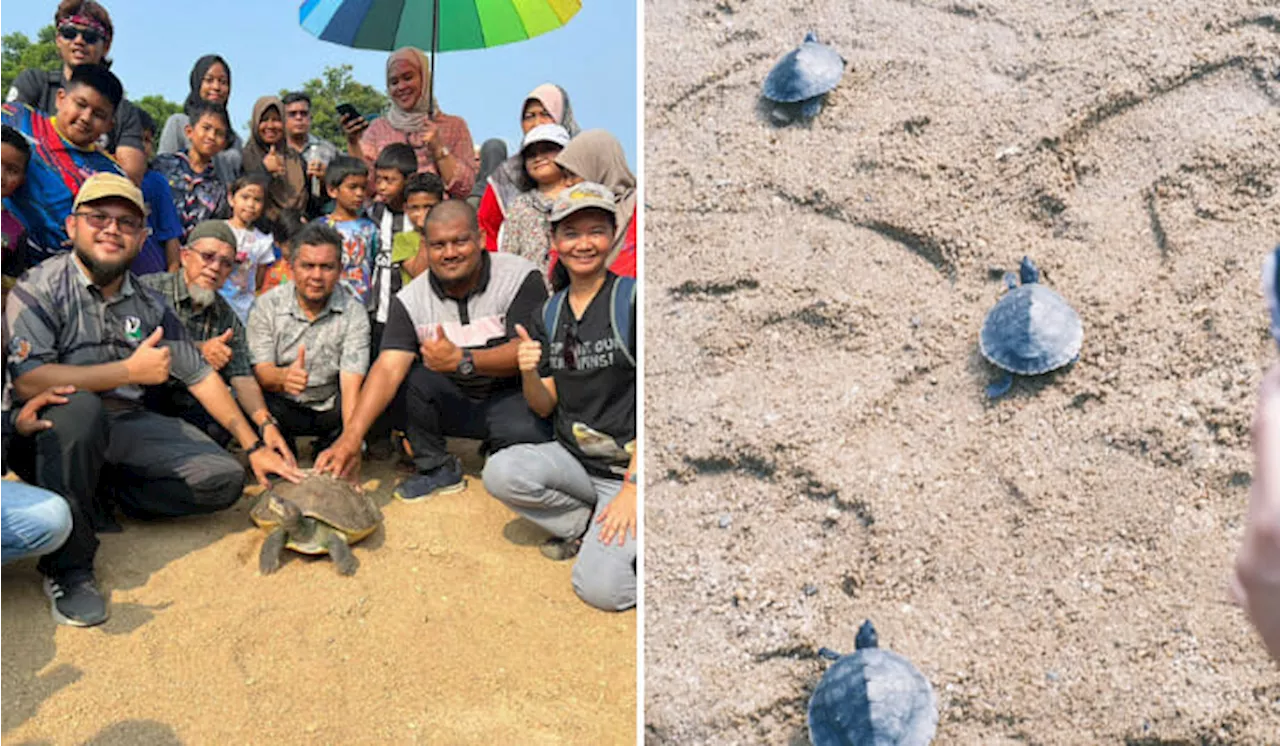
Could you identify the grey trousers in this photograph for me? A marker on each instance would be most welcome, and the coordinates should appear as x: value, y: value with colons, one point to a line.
x: 544, y: 483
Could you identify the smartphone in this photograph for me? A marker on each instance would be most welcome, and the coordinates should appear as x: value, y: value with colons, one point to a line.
x: 347, y: 111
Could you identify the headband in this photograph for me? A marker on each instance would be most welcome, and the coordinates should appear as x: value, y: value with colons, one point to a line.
x: 88, y: 22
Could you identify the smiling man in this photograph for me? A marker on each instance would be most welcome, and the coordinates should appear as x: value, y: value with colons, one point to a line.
x: 309, y: 341
x: 82, y: 319
x: 63, y: 153
x: 451, y: 341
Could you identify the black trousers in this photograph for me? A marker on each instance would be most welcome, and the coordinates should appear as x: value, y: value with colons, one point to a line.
x: 175, y: 401
x: 437, y: 408
x: 100, y: 450
x: 392, y: 418
x: 298, y: 419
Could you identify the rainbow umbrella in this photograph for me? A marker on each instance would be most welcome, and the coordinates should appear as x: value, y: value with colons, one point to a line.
x: 438, y: 25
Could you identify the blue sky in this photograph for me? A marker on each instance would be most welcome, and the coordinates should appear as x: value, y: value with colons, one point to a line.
x: 156, y: 41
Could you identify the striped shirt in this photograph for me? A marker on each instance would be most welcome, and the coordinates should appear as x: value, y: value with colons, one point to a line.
x: 54, y: 175
x: 56, y: 314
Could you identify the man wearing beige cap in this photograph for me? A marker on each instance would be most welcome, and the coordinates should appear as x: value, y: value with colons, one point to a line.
x: 81, y: 319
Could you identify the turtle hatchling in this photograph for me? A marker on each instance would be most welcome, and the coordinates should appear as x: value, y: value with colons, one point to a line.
x: 804, y: 76
x: 1032, y: 330
x: 873, y: 697
x: 319, y: 515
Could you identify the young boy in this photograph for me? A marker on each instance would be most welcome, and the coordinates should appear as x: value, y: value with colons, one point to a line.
x: 421, y: 193
x: 254, y: 250
x: 15, y: 152
x: 395, y: 164
x: 197, y: 192
x: 346, y: 179
x: 63, y: 154
x: 160, y: 251
x: 290, y: 222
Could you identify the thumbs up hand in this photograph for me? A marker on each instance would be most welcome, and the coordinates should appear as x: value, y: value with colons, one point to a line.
x: 295, y: 376
x: 217, y: 350
x: 529, y: 353
x: 438, y: 353
x: 149, y: 364
x: 273, y: 162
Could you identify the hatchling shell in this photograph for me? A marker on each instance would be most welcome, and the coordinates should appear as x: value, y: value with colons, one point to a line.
x: 809, y: 70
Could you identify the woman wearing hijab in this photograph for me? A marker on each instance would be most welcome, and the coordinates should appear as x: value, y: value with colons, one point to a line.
x: 546, y: 104
x: 269, y: 153
x: 597, y: 156
x: 441, y: 141
x: 492, y: 153
x: 210, y: 81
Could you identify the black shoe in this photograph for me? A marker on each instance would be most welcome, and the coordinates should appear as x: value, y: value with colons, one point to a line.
x: 75, y: 599
x: 442, y: 480
x: 560, y: 549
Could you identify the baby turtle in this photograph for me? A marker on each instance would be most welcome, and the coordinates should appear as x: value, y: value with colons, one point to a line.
x: 319, y: 515
x: 804, y: 76
x: 873, y: 696
x: 1032, y: 330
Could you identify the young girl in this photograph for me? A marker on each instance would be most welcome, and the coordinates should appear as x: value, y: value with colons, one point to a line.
x: 254, y: 251
x: 526, y: 231
x: 577, y: 366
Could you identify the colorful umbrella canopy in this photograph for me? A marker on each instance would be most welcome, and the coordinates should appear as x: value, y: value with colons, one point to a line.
x: 464, y: 24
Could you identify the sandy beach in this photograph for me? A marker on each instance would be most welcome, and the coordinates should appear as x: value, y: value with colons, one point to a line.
x: 454, y: 630
x: 819, y: 448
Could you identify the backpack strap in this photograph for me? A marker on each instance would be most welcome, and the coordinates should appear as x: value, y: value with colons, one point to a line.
x: 621, y: 300
x: 551, y: 313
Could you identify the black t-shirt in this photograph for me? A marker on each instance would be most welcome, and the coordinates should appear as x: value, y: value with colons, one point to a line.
x: 39, y: 89
x: 510, y: 292
x: 595, y: 418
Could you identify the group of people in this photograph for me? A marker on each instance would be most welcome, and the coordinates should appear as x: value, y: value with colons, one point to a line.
x: 244, y: 293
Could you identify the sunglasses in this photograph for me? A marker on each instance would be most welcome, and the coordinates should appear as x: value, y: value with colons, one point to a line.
x: 69, y: 33
x: 126, y: 224
x: 298, y: 114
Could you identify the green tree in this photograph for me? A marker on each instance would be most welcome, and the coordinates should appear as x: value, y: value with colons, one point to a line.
x: 337, y: 85
x: 18, y: 53
x: 159, y: 107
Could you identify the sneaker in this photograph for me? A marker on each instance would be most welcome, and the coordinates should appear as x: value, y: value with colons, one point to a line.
x: 442, y: 480
x: 75, y: 599
x: 560, y: 549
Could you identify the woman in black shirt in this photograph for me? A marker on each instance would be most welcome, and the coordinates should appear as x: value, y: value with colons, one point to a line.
x: 577, y: 365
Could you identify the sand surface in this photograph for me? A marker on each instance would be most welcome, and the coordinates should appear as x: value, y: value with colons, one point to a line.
x: 454, y: 630
x: 818, y: 446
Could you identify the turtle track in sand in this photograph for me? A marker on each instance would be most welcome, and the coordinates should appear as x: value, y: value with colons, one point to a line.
x: 818, y: 446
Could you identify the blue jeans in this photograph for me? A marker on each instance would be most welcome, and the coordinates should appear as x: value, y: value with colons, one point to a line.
x: 35, y: 521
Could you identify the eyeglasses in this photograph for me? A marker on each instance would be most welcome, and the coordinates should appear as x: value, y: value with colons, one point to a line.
x: 69, y: 33
x: 213, y: 257
x: 571, y: 343
x: 298, y: 114
x: 126, y: 224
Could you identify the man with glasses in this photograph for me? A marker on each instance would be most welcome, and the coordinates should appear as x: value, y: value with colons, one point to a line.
x: 215, y: 329
x: 451, y: 341
x: 84, y: 38
x: 315, y: 152
x: 82, y: 319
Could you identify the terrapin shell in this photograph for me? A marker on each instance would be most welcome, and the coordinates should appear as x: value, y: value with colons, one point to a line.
x: 874, y: 697
x: 327, y: 499
x: 805, y: 72
x: 1032, y: 329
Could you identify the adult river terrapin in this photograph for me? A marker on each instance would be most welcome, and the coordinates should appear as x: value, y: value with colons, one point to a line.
x: 873, y: 697
x: 319, y: 515
x: 1032, y: 330
x: 804, y: 76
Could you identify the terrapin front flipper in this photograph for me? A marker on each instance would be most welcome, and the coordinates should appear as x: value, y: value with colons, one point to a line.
x: 1000, y: 387
x: 272, y: 548
x: 341, y: 555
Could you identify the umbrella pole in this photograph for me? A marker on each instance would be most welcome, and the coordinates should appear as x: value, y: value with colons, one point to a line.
x: 435, y: 44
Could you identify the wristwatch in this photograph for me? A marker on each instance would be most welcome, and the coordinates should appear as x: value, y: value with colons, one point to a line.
x: 269, y: 421
x: 255, y: 447
x: 467, y: 366
x: 444, y: 153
